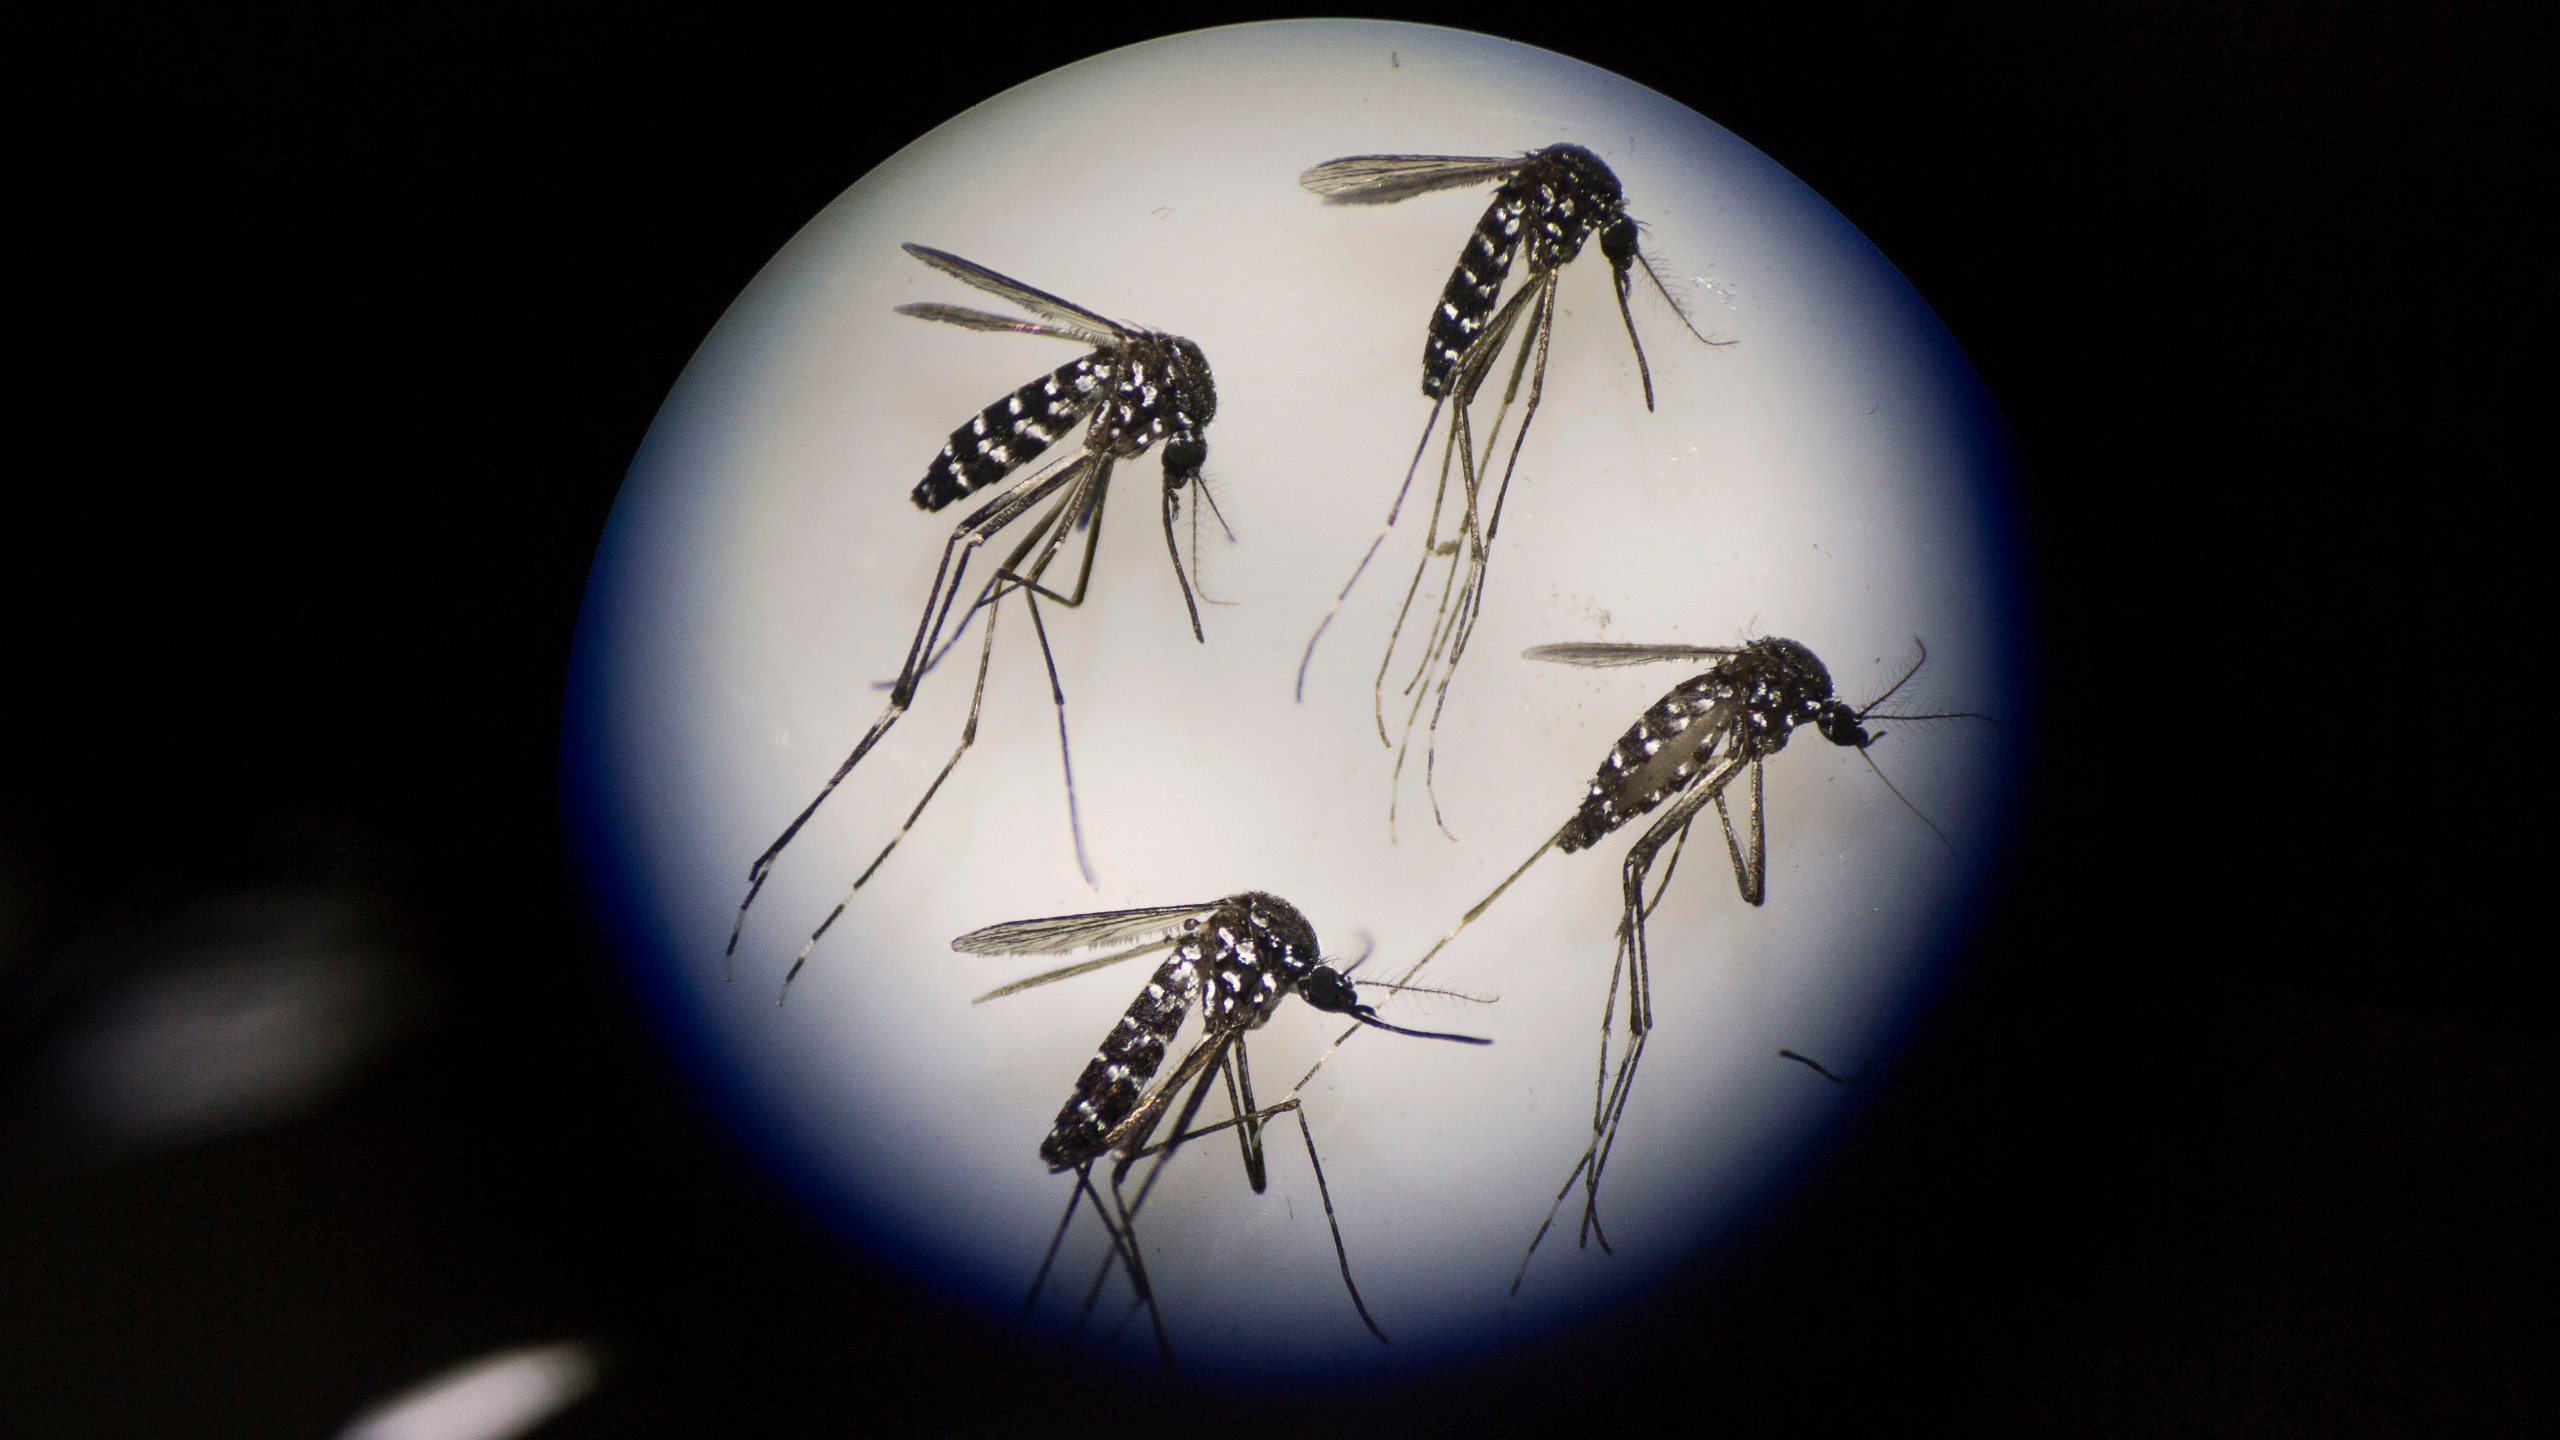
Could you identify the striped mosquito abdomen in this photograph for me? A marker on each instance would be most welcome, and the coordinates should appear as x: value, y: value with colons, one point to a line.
x: 1008, y: 434
x: 1467, y: 301
x: 1668, y: 746
x: 1131, y: 1054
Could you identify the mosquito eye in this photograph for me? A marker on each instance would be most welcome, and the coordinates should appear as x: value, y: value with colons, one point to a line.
x: 1185, y: 456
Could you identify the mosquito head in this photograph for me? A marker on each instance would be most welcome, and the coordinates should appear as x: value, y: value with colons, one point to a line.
x: 1184, y: 454
x: 1330, y: 990
x: 1618, y: 242
x: 1843, y: 726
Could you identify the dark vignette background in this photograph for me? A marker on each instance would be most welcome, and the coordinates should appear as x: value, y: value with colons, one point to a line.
x: 346, y: 320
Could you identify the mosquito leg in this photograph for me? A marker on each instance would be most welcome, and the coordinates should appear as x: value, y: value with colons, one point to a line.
x: 1124, y: 1246
x: 1825, y: 1071
x: 987, y: 595
x: 1633, y: 963
x: 1470, y: 597
x: 1451, y: 642
x: 1542, y: 331
x: 1324, y: 1192
x: 1075, y: 1197
x: 1547, y: 1224
x: 1091, y: 525
x: 1670, y: 866
x: 1631, y: 878
x: 968, y: 736
x: 1066, y: 755
x: 1421, y: 567
x: 1133, y: 1133
x: 1134, y: 1148
x: 1465, y: 381
x: 1533, y: 299
x: 960, y: 632
x: 1248, y: 1120
x: 1607, y: 1141
x: 1479, y: 908
x: 1442, y: 943
x: 1434, y: 647
x: 1369, y: 554
x: 972, y: 533
x: 1750, y: 874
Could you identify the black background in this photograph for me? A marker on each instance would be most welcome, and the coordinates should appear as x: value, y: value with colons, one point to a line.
x: 338, y: 326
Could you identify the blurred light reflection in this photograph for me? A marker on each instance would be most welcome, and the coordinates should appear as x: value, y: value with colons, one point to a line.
x: 491, y: 1398
x: 243, y: 1012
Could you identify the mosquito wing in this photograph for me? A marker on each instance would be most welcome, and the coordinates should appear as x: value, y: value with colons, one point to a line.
x: 1605, y: 653
x: 968, y: 319
x: 1061, y: 933
x: 1082, y: 321
x: 1384, y: 179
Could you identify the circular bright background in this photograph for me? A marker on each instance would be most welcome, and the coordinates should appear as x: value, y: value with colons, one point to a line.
x: 1836, y: 475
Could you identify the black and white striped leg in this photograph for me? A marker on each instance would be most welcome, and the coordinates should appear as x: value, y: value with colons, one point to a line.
x: 1750, y: 875
x: 964, y: 542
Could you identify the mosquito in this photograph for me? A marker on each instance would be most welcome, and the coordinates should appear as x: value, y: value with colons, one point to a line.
x: 1549, y: 203
x: 1688, y: 749
x: 1237, y: 958
x: 1136, y: 388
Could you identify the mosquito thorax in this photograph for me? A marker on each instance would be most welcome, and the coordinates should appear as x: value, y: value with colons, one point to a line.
x: 1195, y: 393
x: 1573, y: 194
x: 1251, y: 952
x: 1784, y: 685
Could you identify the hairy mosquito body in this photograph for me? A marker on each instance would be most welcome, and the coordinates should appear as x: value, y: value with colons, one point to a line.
x: 1235, y: 959
x: 1134, y: 390
x: 1686, y: 751
x: 1547, y: 206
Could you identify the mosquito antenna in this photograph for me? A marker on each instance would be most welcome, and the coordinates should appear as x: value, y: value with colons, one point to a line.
x: 1403, y: 989
x: 1678, y: 309
x: 1895, y: 688
x: 1906, y: 800
x: 1200, y: 579
x: 1202, y: 485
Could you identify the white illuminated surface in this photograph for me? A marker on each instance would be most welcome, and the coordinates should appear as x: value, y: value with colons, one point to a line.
x: 1821, y: 479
